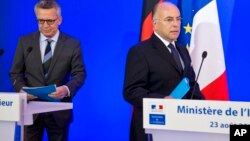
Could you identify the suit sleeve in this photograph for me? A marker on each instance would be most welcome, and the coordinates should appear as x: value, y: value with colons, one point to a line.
x: 78, y: 73
x: 136, y: 78
x: 18, y: 69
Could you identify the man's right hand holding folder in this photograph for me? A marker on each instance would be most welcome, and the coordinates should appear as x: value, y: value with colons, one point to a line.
x: 60, y: 93
x: 180, y: 90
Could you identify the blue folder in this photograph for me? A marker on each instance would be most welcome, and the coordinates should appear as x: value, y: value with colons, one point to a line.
x: 181, y: 89
x: 42, y: 92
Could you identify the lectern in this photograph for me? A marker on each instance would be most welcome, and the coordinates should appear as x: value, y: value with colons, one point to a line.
x: 192, y: 120
x: 14, y: 108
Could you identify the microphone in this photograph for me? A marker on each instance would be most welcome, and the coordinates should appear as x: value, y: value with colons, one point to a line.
x: 204, y: 55
x: 1, y: 52
x: 28, y: 50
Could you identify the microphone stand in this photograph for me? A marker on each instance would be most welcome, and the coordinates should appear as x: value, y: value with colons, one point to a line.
x: 204, y: 55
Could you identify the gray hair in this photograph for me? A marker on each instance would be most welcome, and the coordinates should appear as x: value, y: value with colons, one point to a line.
x: 48, y: 4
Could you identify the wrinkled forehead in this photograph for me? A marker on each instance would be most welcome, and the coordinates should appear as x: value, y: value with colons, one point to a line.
x: 46, y: 13
x: 167, y: 10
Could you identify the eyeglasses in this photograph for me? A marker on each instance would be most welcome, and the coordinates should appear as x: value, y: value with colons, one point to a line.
x: 48, y: 21
x: 170, y: 20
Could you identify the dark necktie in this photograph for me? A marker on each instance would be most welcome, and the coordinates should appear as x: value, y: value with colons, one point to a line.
x: 175, y: 55
x: 47, y: 58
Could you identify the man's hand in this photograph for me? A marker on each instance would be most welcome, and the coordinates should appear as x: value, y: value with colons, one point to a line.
x: 29, y: 96
x: 60, y: 93
x: 168, y: 97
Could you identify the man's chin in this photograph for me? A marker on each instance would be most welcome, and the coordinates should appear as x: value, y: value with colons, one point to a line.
x: 47, y: 34
x: 174, y: 38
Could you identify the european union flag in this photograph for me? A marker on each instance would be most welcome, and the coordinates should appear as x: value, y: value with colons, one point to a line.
x: 188, y: 9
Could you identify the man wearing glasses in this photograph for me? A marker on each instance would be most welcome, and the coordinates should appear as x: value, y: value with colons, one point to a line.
x: 44, y: 58
x: 154, y: 67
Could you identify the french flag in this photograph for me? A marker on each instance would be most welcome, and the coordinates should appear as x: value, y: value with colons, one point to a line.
x: 157, y: 107
x: 203, y: 27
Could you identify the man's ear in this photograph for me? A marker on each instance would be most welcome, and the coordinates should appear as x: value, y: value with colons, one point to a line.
x: 60, y: 20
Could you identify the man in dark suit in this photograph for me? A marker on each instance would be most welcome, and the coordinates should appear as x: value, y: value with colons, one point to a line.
x: 49, y: 57
x: 152, y: 71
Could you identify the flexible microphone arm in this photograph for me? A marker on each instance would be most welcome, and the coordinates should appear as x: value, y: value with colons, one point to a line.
x: 204, y: 55
x: 28, y: 50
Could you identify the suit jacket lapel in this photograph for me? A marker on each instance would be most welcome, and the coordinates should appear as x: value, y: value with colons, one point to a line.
x: 37, y: 52
x: 57, y: 52
x: 183, y: 53
x: 163, y: 51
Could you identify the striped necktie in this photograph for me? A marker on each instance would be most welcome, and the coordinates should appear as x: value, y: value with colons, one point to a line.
x: 176, y: 56
x: 47, y: 58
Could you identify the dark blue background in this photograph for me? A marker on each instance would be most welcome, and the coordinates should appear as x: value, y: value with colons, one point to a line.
x: 107, y: 29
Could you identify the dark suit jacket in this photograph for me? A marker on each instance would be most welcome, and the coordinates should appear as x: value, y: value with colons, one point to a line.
x: 151, y: 72
x: 66, y: 68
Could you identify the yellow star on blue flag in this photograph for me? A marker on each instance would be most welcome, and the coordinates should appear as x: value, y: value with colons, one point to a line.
x: 188, y: 9
x: 188, y: 28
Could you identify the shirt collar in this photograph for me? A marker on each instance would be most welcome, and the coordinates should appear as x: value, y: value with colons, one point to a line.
x: 166, y: 43
x: 54, y: 38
